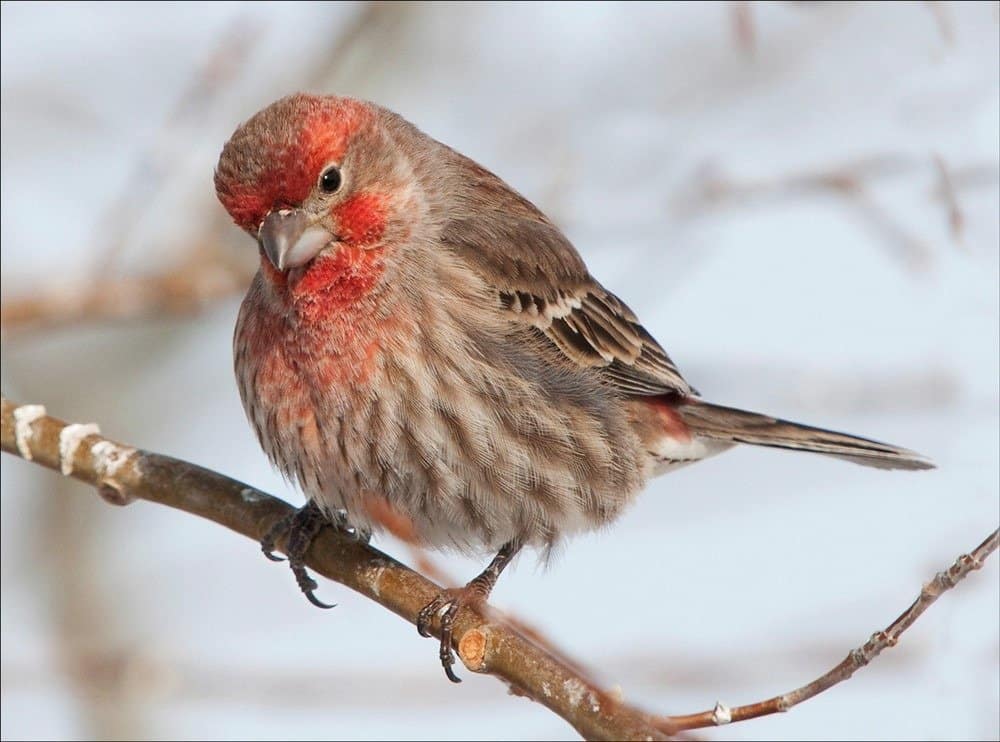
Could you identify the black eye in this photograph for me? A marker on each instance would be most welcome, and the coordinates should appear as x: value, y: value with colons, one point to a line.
x: 329, y: 181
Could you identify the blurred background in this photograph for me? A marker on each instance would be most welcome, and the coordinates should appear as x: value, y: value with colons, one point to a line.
x: 801, y: 202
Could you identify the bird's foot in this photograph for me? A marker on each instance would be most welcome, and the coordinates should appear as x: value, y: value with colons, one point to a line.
x: 448, y: 602
x: 446, y: 605
x: 301, y: 527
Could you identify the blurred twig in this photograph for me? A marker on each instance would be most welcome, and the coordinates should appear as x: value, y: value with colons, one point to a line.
x: 943, y: 19
x: 205, y: 276
x: 852, y: 181
x: 956, y: 219
x: 743, y: 27
x: 370, y: 21
x: 92, y: 646
x: 855, y: 660
x: 152, y: 169
x: 122, y: 474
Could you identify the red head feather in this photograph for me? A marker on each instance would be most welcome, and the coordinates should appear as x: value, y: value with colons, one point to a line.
x: 275, y: 158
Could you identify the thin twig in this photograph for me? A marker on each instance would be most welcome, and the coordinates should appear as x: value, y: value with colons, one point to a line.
x: 370, y: 20
x: 151, y: 171
x: 180, y: 290
x: 207, y: 275
x: 943, y: 20
x: 946, y: 187
x: 855, y: 660
x: 852, y: 181
x: 744, y: 29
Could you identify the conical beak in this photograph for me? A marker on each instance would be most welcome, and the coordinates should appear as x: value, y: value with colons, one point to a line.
x: 289, y: 240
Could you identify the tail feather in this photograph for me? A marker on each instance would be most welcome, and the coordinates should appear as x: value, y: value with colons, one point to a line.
x: 728, y: 424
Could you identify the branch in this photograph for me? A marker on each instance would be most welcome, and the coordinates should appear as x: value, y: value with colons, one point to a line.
x: 123, y: 474
x: 943, y: 20
x: 181, y: 290
x: 153, y: 168
x: 852, y: 181
x: 946, y: 187
x: 744, y: 29
x: 854, y: 661
x: 205, y: 274
x: 485, y: 643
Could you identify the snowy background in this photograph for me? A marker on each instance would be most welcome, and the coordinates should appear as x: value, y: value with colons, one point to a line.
x: 799, y: 200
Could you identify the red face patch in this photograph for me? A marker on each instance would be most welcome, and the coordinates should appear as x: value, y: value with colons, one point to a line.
x: 334, y: 283
x: 275, y: 159
x: 361, y: 219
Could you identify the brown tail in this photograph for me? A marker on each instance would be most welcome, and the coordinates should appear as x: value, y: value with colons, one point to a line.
x: 728, y: 424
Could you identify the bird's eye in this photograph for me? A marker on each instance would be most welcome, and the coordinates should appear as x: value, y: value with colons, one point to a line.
x: 329, y: 181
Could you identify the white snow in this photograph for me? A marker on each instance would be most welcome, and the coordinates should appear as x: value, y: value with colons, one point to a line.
x: 70, y: 439
x: 24, y: 416
x: 721, y: 714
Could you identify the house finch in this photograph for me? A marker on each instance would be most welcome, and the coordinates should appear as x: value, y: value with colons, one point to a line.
x: 421, y: 340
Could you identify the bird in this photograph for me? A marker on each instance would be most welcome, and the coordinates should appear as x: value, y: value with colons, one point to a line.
x: 422, y: 342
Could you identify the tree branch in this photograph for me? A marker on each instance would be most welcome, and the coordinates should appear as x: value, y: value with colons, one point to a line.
x: 486, y: 643
x: 122, y: 474
x: 854, y: 661
x: 183, y: 289
x: 852, y: 181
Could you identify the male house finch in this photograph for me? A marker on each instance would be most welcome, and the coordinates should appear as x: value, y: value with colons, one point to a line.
x: 421, y: 340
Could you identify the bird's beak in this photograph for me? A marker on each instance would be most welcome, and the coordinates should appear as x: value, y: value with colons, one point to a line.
x: 289, y: 240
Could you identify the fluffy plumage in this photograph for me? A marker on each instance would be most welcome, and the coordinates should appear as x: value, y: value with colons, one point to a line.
x: 448, y: 357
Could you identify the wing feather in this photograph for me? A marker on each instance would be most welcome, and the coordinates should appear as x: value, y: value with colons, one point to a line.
x: 541, y: 280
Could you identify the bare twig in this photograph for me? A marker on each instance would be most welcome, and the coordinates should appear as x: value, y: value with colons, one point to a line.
x: 946, y: 187
x: 151, y: 170
x: 370, y: 20
x: 943, y: 20
x: 181, y: 290
x: 712, y: 187
x: 983, y: 175
x: 852, y: 181
x: 855, y: 660
x: 122, y: 474
x: 743, y: 27
x: 207, y: 275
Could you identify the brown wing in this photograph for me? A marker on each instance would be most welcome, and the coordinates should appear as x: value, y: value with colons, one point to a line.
x: 539, y: 278
x: 542, y: 280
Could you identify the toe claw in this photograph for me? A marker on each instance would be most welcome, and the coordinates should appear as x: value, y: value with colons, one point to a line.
x: 446, y: 654
x: 317, y: 602
x: 447, y: 606
x: 308, y: 586
x: 270, y: 540
x: 424, y: 619
x: 269, y: 553
x: 448, y: 657
x: 300, y: 528
x: 449, y: 602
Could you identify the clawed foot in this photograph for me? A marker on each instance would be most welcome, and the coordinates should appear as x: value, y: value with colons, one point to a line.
x: 302, y: 526
x: 446, y: 604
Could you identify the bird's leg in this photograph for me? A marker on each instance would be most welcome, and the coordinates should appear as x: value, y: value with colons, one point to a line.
x: 448, y: 602
x: 302, y: 526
